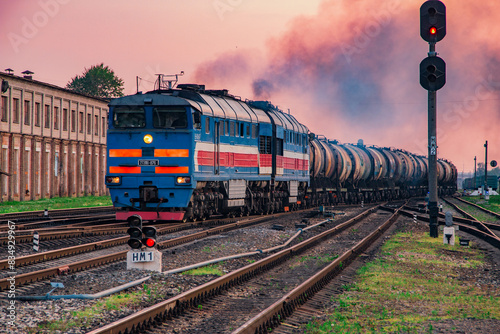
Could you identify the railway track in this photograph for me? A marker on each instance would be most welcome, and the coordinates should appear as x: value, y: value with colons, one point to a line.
x: 227, y: 296
x: 472, y: 211
x: 44, y: 271
x: 40, y: 215
x: 69, y: 221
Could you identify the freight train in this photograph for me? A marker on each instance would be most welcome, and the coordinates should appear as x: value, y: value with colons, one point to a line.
x: 187, y: 153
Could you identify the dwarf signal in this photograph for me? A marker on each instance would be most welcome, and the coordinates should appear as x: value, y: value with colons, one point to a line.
x: 136, y: 232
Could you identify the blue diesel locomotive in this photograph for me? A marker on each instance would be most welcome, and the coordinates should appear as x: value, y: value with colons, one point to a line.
x: 188, y: 153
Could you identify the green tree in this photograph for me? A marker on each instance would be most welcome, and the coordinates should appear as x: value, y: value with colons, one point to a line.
x: 98, y: 81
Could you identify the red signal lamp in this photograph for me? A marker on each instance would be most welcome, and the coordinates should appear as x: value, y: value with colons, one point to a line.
x: 149, y: 242
x: 433, y: 31
x: 149, y: 239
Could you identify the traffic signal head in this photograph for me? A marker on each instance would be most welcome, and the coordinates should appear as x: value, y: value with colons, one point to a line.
x: 149, y: 239
x: 433, y: 21
x: 135, y: 231
x: 432, y: 73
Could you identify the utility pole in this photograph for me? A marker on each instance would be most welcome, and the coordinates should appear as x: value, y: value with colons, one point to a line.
x: 432, y: 78
x: 475, y: 185
x: 485, y: 170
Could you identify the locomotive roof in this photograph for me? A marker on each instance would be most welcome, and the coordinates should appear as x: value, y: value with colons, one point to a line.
x: 217, y: 104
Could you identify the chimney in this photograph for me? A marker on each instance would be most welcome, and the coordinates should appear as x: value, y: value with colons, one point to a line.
x: 28, y: 74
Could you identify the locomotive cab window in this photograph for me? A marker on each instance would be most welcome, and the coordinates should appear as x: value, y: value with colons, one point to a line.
x: 197, y: 120
x: 129, y: 117
x: 170, y: 118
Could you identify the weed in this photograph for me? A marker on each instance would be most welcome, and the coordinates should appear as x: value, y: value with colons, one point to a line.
x: 213, y: 269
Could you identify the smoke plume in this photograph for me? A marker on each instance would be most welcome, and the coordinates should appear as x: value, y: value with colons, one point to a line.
x: 352, y: 71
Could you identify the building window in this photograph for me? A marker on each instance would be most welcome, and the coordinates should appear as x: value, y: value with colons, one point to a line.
x: 81, y: 125
x: 104, y: 127
x: 37, y: 114
x: 65, y: 119
x: 96, y: 125
x: 47, y: 116
x: 4, y: 109
x: 73, y: 121
x: 26, y: 112
x: 15, y: 110
x: 89, y: 124
x: 56, y: 118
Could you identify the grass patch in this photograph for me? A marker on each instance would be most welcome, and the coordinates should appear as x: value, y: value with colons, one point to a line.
x: 314, y: 260
x: 493, y: 204
x: 55, y: 203
x: 85, y: 317
x: 416, y: 280
x: 213, y: 269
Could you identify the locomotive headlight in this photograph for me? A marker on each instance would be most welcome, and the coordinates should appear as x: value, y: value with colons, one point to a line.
x: 183, y: 180
x: 113, y: 179
x: 148, y: 139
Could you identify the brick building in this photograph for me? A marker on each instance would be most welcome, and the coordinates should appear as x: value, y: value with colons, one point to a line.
x: 53, y: 141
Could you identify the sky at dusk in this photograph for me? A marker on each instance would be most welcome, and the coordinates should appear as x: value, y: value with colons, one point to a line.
x: 348, y: 69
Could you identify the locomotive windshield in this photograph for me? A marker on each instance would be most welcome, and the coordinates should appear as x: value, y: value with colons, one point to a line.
x: 170, y: 118
x: 129, y: 117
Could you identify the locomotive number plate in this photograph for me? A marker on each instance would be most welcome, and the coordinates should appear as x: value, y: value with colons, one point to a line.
x: 149, y: 162
x: 142, y: 256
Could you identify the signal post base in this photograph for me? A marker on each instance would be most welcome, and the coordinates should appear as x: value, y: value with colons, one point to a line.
x: 154, y: 265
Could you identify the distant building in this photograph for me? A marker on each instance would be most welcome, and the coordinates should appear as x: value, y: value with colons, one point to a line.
x: 53, y: 141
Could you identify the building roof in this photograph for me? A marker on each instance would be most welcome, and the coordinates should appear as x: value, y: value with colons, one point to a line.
x: 6, y: 76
